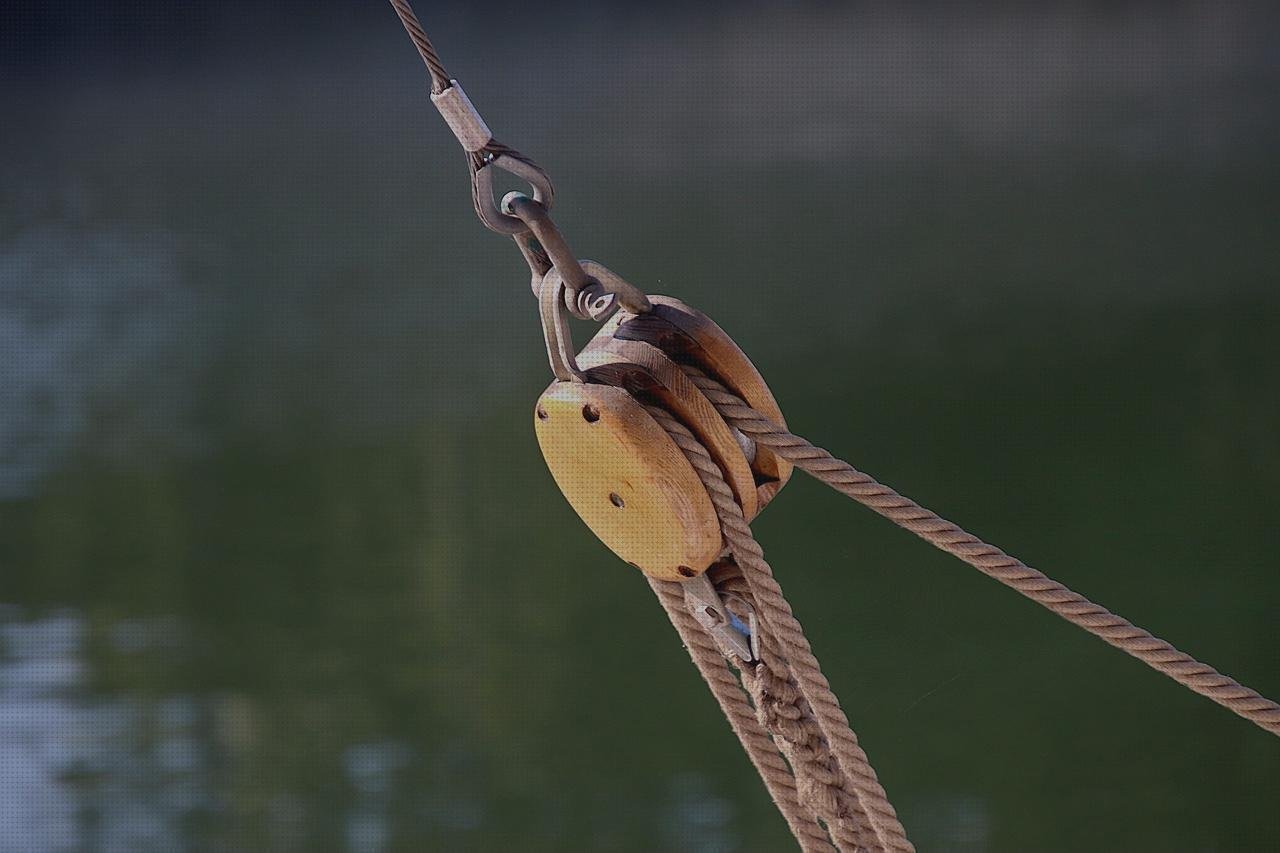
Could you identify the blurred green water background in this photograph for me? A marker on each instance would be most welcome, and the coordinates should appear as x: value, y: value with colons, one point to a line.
x: 281, y: 568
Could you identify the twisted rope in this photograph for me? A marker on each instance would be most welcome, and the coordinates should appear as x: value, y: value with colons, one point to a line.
x: 783, y: 712
x: 778, y: 618
x: 760, y: 748
x: 781, y: 709
x: 991, y: 561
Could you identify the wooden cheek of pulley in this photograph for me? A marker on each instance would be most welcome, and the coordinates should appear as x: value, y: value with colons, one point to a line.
x: 617, y: 466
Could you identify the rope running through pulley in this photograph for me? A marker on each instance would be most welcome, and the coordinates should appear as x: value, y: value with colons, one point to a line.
x: 667, y: 442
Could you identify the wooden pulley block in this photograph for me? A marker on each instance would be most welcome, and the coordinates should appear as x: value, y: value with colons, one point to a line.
x: 627, y: 479
x: 687, y: 336
x: 617, y: 466
x: 647, y: 372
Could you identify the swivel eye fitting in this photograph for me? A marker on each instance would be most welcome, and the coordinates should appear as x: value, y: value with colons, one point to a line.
x: 585, y: 289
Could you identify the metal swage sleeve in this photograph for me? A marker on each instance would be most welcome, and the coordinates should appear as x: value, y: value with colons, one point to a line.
x: 777, y: 616
x: 760, y: 748
x: 440, y: 80
x: 991, y: 561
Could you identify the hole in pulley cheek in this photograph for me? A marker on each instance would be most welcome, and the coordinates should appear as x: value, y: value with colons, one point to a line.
x: 590, y: 413
x: 616, y: 500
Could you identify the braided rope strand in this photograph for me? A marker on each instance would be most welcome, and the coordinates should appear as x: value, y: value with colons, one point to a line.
x: 991, y: 561
x: 760, y: 748
x: 823, y: 786
x: 776, y: 613
x: 786, y: 714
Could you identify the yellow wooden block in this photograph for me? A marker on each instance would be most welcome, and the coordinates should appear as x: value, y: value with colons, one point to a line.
x: 627, y: 480
x: 671, y: 389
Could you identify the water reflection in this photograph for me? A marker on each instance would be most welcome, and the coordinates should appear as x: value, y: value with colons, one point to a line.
x: 133, y: 771
x: 95, y: 773
x: 100, y: 340
x: 136, y: 771
x: 372, y: 769
x: 697, y: 819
